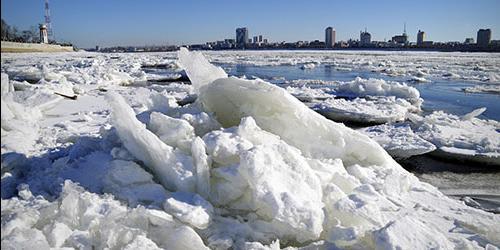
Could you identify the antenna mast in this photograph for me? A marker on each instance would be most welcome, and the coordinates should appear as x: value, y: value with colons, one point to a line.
x: 50, y: 32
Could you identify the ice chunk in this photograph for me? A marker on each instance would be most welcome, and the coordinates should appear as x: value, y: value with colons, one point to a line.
x: 264, y: 178
x: 379, y: 87
x: 6, y: 84
x: 465, y: 138
x: 202, y: 166
x: 129, y: 182
x: 374, y: 110
x: 397, y: 235
x: 473, y: 114
x: 199, y: 69
x: 174, y: 132
x: 190, y: 209
x: 278, y: 112
x: 399, y: 140
x: 174, y: 171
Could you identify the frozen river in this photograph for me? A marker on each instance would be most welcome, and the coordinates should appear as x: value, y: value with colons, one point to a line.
x: 167, y: 150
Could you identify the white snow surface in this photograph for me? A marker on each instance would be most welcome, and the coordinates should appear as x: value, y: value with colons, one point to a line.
x: 130, y: 169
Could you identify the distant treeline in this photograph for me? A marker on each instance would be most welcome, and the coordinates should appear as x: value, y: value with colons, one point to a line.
x: 13, y: 34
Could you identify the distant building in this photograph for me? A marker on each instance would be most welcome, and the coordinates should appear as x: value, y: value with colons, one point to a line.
x: 365, y: 38
x: 260, y: 38
x: 241, y: 38
x: 401, y: 39
x: 469, y: 40
x: 97, y: 48
x: 44, y: 38
x: 265, y: 41
x: 329, y: 37
x: 420, y: 38
x: 255, y: 39
x: 483, y: 37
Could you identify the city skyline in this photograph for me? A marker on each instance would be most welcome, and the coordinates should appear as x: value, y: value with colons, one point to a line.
x: 109, y: 23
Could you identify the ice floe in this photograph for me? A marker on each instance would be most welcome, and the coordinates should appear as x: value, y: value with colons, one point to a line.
x: 464, y: 138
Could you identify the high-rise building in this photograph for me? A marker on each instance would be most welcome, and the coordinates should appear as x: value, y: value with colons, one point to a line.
x: 329, y: 37
x: 420, y: 38
x: 483, y: 37
x: 365, y: 38
x: 241, y: 37
x: 255, y: 39
x: 260, y: 38
x: 401, y: 39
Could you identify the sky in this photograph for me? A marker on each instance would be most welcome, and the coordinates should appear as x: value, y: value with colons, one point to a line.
x: 87, y: 23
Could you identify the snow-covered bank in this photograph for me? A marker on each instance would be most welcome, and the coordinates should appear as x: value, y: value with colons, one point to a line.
x: 246, y: 166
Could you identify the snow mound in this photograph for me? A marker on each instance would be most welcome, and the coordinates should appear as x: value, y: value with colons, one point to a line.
x: 399, y: 140
x: 465, y: 137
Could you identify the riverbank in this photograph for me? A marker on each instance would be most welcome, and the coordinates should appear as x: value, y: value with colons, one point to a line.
x: 14, y: 47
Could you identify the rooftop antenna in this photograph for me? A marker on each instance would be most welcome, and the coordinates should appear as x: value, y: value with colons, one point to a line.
x: 50, y: 32
x: 404, y: 31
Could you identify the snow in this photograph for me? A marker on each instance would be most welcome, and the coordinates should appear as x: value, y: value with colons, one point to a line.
x: 466, y: 137
x: 246, y: 166
x: 399, y: 140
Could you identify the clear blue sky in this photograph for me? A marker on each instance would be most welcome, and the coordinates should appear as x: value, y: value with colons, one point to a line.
x: 87, y: 23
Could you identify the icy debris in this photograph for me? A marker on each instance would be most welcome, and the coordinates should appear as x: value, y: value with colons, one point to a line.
x: 307, y: 94
x: 19, y: 124
x: 202, y: 122
x: 199, y: 69
x: 250, y: 163
x: 7, y: 86
x: 375, y: 110
x: 202, y: 167
x: 83, y: 220
x: 129, y: 182
x: 399, y: 140
x: 172, y: 168
x: 174, y: 132
x: 418, y: 79
x: 394, y: 236
x: 308, y: 66
x: 465, y: 137
x: 189, y: 208
x: 378, y: 87
x: 483, y: 88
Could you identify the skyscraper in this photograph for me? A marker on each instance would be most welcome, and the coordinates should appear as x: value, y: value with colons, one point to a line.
x: 329, y: 37
x: 483, y: 37
x: 365, y: 38
x: 420, y: 38
x: 241, y: 37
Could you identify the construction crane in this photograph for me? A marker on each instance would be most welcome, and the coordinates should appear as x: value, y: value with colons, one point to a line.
x: 50, y: 31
